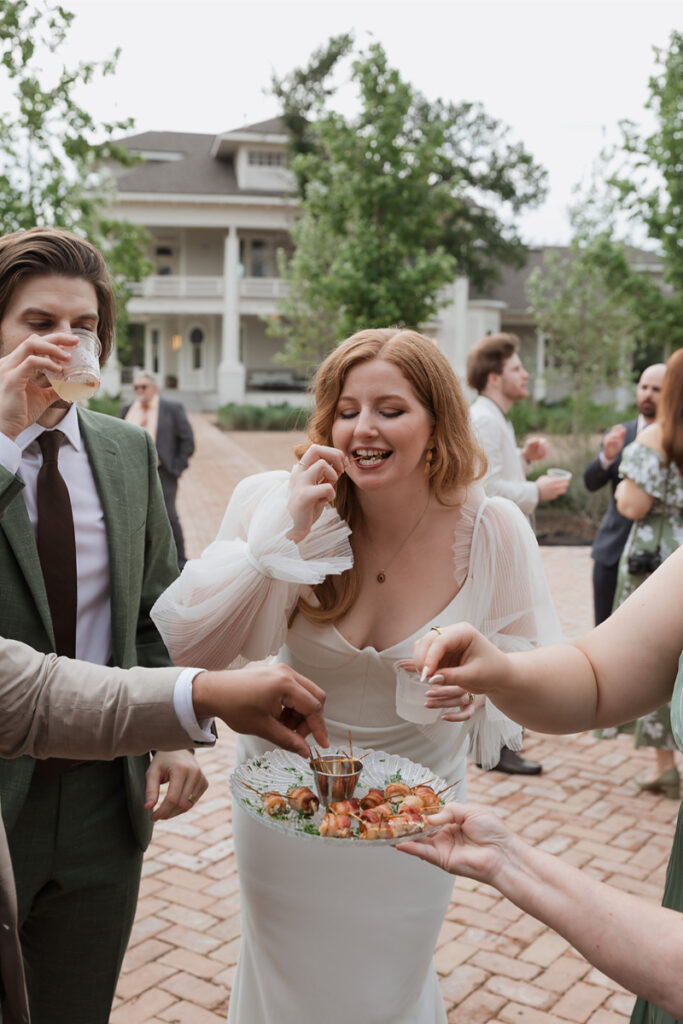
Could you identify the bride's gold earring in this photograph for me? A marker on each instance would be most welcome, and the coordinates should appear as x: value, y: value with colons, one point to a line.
x: 429, y: 455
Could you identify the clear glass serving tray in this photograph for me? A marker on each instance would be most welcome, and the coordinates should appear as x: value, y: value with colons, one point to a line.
x: 280, y: 771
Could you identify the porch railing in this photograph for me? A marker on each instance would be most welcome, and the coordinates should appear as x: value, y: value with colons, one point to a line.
x: 186, y: 286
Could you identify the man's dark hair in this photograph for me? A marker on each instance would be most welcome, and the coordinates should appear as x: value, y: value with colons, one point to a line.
x: 39, y: 251
x: 488, y: 356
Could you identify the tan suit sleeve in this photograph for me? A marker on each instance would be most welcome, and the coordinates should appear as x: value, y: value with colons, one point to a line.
x: 55, y: 707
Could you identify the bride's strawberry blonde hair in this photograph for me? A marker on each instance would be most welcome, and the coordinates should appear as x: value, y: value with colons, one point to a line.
x: 457, y: 459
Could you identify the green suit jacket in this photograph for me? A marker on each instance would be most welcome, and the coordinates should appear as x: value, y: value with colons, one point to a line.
x: 142, y: 563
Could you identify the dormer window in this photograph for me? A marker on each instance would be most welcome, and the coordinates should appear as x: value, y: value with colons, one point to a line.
x: 267, y: 158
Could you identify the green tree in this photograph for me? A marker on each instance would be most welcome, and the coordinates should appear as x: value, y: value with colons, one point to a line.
x: 584, y: 299
x: 394, y: 201
x: 653, y: 190
x: 52, y: 150
x: 648, y: 185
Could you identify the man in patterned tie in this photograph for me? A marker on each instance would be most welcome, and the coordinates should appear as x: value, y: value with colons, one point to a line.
x: 85, y: 550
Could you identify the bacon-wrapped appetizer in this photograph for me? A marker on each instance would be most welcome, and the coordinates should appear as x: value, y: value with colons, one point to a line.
x: 392, y: 828
x: 372, y: 798
x: 336, y: 825
x: 406, y: 824
x: 371, y: 816
x: 344, y: 806
x: 396, y: 791
x: 412, y: 800
x: 303, y: 799
x: 412, y: 814
x: 375, y: 829
x: 378, y: 812
x: 274, y: 803
x: 430, y: 800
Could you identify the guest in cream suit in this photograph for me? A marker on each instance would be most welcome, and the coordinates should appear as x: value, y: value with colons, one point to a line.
x: 170, y: 429
x: 85, y: 550
x: 51, y: 706
x: 495, y: 370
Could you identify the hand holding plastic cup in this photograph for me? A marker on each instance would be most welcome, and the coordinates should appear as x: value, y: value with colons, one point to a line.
x: 80, y: 377
x: 411, y: 694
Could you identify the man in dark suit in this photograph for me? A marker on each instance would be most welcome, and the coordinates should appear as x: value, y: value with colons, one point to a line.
x: 85, y: 550
x: 611, y: 537
x: 170, y: 430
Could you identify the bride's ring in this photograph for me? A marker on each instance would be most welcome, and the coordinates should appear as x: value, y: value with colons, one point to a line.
x: 438, y: 629
x: 470, y: 699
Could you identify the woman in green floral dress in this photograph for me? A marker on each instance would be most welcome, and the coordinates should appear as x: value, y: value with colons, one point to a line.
x: 651, y: 493
x: 624, y: 668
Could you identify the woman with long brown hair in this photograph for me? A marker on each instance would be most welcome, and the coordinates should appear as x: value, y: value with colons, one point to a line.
x: 651, y: 494
x: 381, y: 529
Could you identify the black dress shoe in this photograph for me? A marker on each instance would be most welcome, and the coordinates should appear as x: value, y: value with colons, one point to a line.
x: 512, y: 764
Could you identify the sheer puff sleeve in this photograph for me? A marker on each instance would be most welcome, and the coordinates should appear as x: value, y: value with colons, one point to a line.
x: 236, y: 599
x: 510, y: 603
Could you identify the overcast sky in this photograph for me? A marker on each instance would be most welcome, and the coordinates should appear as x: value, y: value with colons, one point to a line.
x: 561, y: 73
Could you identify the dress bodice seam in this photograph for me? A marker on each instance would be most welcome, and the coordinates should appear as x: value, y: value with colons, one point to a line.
x: 440, y: 614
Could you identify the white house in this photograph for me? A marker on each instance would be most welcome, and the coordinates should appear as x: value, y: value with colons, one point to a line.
x: 218, y: 208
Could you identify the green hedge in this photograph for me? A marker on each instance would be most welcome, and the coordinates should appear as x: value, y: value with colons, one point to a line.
x: 106, y: 404
x: 558, y: 418
x: 578, y: 500
x: 256, y: 417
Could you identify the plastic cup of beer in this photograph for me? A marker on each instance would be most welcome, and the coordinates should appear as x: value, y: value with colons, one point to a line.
x: 411, y: 694
x: 562, y: 474
x: 80, y: 377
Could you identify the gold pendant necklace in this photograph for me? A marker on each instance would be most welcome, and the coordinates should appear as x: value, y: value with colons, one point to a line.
x: 382, y: 574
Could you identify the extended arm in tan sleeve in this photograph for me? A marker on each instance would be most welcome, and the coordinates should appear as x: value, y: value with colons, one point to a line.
x: 55, y: 707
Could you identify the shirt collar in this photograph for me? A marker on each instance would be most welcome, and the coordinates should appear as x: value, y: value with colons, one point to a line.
x: 495, y: 405
x: 68, y: 425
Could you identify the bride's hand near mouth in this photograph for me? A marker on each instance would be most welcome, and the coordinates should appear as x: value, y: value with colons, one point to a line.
x: 312, y: 486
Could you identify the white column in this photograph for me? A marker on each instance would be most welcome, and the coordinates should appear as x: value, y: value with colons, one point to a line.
x: 540, y: 390
x: 182, y: 259
x: 462, y: 298
x: 231, y: 372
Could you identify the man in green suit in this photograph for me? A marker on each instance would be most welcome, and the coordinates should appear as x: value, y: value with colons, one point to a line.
x: 77, y: 830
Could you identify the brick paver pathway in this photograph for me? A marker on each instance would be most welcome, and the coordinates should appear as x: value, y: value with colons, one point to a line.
x: 495, y: 963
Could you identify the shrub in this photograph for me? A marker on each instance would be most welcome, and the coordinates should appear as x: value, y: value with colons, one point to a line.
x: 558, y: 417
x: 591, y: 505
x: 257, y: 417
x: 106, y: 404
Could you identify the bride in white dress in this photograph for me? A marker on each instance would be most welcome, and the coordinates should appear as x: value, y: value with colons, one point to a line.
x: 380, y: 531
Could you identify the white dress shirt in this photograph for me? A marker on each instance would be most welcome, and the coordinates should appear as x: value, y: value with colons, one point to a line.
x: 507, y: 468
x: 93, y: 622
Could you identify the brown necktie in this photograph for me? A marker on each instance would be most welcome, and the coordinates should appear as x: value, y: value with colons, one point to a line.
x: 57, y: 544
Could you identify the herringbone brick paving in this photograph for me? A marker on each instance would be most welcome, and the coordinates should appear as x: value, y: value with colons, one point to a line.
x: 495, y: 963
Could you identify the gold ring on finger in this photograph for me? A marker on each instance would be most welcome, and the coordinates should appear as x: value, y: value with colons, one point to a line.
x: 191, y: 798
x: 438, y: 629
x: 470, y: 698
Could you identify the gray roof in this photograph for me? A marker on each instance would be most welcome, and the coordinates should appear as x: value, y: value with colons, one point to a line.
x: 169, y: 142
x: 274, y: 126
x: 511, y: 288
x: 195, y: 173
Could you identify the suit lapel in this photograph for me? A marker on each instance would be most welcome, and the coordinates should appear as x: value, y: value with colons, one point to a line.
x: 17, y: 528
x: 108, y: 470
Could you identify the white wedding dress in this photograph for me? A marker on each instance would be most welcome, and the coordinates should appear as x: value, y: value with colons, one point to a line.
x: 338, y: 934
